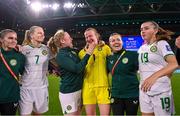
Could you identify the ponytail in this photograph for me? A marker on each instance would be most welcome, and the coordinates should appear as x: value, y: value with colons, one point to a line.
x: 161, y: 34
x: 164, y: 34
x: 28, y: 33
x: 27, y: 38
x: 52, y: 46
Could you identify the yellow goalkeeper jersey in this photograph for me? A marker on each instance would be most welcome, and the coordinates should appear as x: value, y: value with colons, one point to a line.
x: 95, y: 72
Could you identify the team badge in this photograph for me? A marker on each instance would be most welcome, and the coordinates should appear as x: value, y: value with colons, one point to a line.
x: 44, y: 52
x: 69, y: 107
x: 99, y: 49
x: 125, y: 60
x: 153, y: 49
x: 112, y: 100
x: 13, y: 62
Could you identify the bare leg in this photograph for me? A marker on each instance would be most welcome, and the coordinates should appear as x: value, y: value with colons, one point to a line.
x: 90, y: 109
x: 104, y: 109
x: 147, y: 114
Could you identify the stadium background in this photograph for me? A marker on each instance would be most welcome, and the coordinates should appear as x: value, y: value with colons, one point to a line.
x: 74, y: 16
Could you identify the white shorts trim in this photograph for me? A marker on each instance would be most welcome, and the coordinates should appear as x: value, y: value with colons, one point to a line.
x: 70, y: 102
x: 161, y: 104
x: 35, y: 100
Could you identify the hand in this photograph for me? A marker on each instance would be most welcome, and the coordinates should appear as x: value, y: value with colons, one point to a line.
x: 148, y: 83
x: 91, y: 47
x: 86, y: 47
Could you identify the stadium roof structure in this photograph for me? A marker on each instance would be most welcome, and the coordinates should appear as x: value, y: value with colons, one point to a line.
x: 19, y: 14
x: 64, y: 9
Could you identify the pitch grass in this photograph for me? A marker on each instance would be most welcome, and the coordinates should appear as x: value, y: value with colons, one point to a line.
x: 55, y: 108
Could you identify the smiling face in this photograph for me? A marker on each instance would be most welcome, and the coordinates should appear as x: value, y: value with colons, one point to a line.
x: 148, y: 31
x: 9, y: 40
x: 115, y: 42
x: 90, y: 36
x: 38, y: 35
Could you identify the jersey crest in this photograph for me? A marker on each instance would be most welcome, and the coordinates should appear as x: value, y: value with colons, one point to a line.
x: 44, y: 52
x: 13, y: 62
x: 153, y: 48
x: 100, y: 49
x: 125, y: 60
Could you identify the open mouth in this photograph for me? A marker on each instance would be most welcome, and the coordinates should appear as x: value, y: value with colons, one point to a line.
x: 116, y: 45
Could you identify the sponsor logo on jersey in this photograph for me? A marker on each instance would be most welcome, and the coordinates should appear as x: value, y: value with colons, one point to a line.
x: 44, y: 52
x: 15, y: 105
x: 125, y: 60
x: 168, y: 48
x: 135, y: 101
x: 13, y: 62
x: 111, y: 61
x: 28, y: 52
x: 73, y: 52
x: 69, y: 107
x: 153, y: 48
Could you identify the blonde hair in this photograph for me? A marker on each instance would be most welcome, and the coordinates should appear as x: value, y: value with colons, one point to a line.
x: 54, y: 42
x: 95, y: 31
x: 27, y: 37
x: 162, y: 34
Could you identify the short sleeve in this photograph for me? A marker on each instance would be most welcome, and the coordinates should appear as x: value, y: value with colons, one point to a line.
x: 165, y: 48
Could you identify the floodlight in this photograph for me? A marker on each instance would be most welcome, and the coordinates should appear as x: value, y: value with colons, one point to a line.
x: 36, y: 6
x: 55, y: 6
x: 69, y: 5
